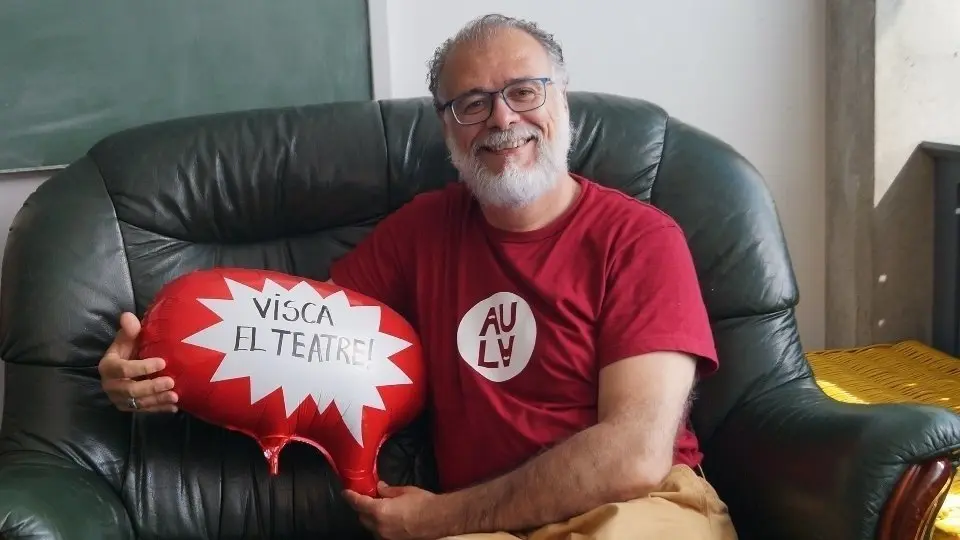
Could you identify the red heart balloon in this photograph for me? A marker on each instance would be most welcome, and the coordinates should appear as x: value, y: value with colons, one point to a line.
x: 283, y: 358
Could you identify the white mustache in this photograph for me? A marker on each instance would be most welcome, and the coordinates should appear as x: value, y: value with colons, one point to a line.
x: 515, y: 136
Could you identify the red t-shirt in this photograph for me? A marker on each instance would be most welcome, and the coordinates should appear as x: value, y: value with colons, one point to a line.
x: 516, y: 326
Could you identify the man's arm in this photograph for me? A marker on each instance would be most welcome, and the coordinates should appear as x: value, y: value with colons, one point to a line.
x: 654, y: 305
x: 642, y: 401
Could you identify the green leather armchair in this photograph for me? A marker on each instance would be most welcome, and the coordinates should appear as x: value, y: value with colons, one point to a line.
x: 293, y: 189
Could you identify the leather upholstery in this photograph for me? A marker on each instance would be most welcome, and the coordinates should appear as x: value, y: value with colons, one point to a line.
x: 291, y: 190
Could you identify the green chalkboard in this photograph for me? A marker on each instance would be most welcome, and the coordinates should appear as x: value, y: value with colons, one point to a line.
x: 73, y: 71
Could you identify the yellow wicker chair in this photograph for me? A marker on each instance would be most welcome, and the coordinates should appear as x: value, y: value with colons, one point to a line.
x: 908, y: 371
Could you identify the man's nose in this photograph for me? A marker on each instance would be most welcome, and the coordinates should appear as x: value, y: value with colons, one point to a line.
x: 502, y: 116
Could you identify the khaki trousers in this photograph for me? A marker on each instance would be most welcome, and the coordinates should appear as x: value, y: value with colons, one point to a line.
x: 684, y: 507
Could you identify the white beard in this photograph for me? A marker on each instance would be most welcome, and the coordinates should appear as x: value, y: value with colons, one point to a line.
x: 516, y: 186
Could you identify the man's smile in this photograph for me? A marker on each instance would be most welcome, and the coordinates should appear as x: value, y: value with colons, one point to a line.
x: 507, y: 148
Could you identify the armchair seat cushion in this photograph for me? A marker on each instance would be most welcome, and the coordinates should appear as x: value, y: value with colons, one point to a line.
x: 903, y: 372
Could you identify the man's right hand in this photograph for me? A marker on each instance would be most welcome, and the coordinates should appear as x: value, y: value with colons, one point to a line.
x: 120, y: 372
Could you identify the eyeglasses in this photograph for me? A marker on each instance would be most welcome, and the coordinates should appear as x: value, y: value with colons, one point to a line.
x: 521, y: 96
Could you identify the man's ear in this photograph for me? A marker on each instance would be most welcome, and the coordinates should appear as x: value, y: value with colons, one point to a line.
x: 564, y: 101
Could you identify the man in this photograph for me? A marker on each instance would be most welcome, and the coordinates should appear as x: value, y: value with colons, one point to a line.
x: 562, y: 323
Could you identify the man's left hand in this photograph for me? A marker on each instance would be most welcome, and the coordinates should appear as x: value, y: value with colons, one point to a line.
x: 400, y: 513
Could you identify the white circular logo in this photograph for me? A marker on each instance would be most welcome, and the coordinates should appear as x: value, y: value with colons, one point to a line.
x: 496, y: 337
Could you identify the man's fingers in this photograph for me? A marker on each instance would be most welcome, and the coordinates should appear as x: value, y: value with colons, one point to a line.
x: 120, y: 368
x: 115, y: 367
x: 121, y: 390
x: 125, y: 343
x: 361, y: 503
x: 123, y: 379
x: 149, y: 387
x: 134, y: 369
x: 388, y: 491
x: 163, y: 402
x: 159, y: 409
x: 156, y: 401
x: 153, y: 395
x: 129, y: 326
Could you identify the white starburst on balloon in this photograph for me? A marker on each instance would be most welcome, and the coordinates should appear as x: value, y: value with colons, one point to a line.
x: 306, y: 344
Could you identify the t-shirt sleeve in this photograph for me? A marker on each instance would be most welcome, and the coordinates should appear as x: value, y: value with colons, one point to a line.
x: 381, y: 265
x: 653, y: 302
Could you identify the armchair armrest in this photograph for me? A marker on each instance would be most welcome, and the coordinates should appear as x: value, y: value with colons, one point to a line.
x: 794, y: 463
x: 42, y: 496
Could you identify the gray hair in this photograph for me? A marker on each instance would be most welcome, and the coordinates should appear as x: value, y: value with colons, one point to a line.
x: 484, y: 27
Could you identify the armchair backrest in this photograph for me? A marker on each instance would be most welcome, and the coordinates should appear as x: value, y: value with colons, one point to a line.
x: 291, y: 190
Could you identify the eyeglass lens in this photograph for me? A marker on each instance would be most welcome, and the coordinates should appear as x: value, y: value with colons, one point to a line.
x: 520, y: 96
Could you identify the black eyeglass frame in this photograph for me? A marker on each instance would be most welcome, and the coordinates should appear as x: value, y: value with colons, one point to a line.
x: 546, y: 81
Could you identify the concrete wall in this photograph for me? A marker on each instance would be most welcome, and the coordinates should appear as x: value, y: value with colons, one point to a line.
x: 893, y: 74
x: 917, y: 81
x: 849, y: 176
x: 917, y: 85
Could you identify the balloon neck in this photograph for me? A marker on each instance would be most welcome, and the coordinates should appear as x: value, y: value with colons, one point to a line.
x: 272, y: 446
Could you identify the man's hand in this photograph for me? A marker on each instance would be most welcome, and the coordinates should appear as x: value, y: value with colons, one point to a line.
x: 400, y: 514
x: 641, y: 402
x: 120, y: 371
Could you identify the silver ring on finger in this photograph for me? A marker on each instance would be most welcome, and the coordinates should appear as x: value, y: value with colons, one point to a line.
x: 133, y: 403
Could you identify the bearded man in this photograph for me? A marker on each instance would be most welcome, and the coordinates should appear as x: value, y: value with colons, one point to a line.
x: 561, y: 321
